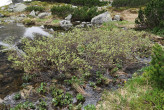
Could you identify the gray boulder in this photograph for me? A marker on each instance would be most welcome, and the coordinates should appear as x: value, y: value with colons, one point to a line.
x: 117, y: 17
x: 66, y: 24
x: 102, y: 18
x: 44, y: 14
x: 32, y: 14
x: 68, y: 17
x: 19, y: 7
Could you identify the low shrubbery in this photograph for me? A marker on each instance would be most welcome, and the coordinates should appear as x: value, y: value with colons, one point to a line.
x: 85, y: 13
x: 129, y: 3
x: 62, y: 11
x: 155, y: 72
x: 78, y: 14
x: 152, y: 16
x: 89, y: 3
x: 35, y: 8
x: 78, y: 51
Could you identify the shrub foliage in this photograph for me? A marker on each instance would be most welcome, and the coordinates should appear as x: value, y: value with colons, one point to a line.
x: 79, y: 51
x: 35, y: 8
x: 156, y: 70
x: 153, y: 15
x: 78, y: 14
x: 130, y: 3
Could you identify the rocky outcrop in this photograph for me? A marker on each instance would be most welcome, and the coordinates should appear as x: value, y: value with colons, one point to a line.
x: 102, y: 18
x: 19, y: 7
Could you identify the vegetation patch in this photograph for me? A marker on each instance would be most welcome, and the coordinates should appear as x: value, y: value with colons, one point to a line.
x: 35, y: 8
x: 129, y: 3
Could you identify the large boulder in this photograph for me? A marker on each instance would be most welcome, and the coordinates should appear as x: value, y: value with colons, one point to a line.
x: 102, y: 18
x: 19, y: 7
x: 66, y: 24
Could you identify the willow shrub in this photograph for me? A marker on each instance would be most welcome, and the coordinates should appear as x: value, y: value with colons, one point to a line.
x: 78, y: 51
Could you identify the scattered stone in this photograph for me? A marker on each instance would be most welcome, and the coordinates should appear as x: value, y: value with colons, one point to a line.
x: 32, y: 14
x: 117, y: 17
x: 22, y: 15
x: 19, y: 7
x: 42, y: 15
x: 65, y: 24
x: 69, y: 17
x: 102, y: 18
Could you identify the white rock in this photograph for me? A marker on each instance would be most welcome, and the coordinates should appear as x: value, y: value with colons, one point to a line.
x: 32, y: 13
x: 68, y: 17
x: 117, y: 17
x: 102, y: 18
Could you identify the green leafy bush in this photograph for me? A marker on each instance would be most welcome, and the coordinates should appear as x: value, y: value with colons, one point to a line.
x: 35, y: 8
x: 153, y: 15
x: 62, y: 11
x: 129, y: 3
x: 89, y: 3
x: 76, y: 52
x: 156, y: 69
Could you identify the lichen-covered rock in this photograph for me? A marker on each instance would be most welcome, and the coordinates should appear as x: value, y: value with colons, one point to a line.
x: 102, y: 18
x: 19, y: 7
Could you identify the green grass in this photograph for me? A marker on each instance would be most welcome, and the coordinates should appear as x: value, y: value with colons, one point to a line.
x: 137, y: 94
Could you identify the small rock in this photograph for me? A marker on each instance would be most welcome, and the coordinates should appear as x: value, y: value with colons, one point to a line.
x: 102, y: 18
x: 42, y: 15
x: 65, y: 24
x: 117, y: 17
x: 68, y: 17
x: 22, y: 15
x: 32, y: 14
